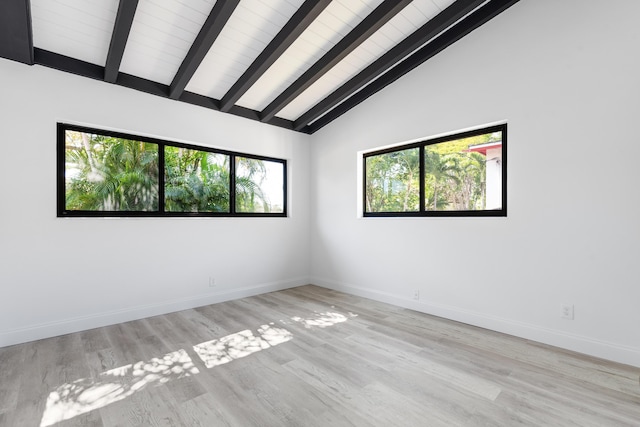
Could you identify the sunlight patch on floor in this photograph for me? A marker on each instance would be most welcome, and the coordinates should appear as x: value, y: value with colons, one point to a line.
x: 323, y: 320
x: 88, y: 394
x: 241, y: 344
x: 85, y: 395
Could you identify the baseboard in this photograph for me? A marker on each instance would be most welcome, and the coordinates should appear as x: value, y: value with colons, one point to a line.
x: 581, y: 344
x: 77, y: 324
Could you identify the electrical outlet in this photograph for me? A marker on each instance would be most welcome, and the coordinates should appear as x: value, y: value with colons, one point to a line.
x: 212, y: 282
x: 416, y: 294
x: 567, y: 311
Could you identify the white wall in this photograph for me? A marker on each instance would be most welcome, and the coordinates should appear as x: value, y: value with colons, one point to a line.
x: 62, y: 275
x: 564, y: 75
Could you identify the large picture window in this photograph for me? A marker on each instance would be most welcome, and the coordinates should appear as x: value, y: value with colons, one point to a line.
x: 458, y: 175
x: 103, y: 173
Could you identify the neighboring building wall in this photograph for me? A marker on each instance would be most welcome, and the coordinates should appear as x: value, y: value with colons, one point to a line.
x: 494, y: 178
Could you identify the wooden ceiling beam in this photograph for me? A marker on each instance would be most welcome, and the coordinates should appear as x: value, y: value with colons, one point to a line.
x: 369, y: 25
x: 119, y: 37
x: 422, y: 35
x: 476, y: 19
x: 16, y: 39
x: 210, y: 31
x: 299, y: 22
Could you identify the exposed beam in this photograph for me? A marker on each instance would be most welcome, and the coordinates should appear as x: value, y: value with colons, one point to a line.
x: 143, y: 85
x: 369, y: 25
x: 455, y: 33
x: 16, y: 39
x: 121, y: 29
x: 255, y: 115
x: 67, y: 64
x: 422, y: 35
x: 299, y: 22
x: 247, y: 113
x: 220, y: 14
x: 199, y: 100
x: 92, y: 71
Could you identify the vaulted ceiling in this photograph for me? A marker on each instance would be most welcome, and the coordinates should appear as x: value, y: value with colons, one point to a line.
x: 297, y: 64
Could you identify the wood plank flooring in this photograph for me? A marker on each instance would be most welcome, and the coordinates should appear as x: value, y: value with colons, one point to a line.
x: 308, y: 357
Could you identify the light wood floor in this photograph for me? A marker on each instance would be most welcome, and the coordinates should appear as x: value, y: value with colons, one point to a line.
x: 307, y: 357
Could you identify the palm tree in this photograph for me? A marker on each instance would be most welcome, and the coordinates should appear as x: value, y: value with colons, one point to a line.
x: 442, y: 171
x: 392, y: 181
x: 472, y: 173
x: 105, y: 173
x: 110, y: 174
x: 196, y: 181
x: 250, y: 175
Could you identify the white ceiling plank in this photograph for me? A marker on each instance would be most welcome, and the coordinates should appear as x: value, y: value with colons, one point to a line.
x: 361, y: 8
x: 79, y: 29
x: 393, y: 32
x: 161, y: 35
x: 333, y: 23
x: 249, y: 30
x: 442, y: 4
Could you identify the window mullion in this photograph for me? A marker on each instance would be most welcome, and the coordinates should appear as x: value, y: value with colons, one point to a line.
x: 232, y: 184
x: 422, y: 178
x: 161, y: 178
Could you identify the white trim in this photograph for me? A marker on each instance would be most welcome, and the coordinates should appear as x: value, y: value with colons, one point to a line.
x: 581, y: 344
x: 606, y: 350
x: 77, y: 324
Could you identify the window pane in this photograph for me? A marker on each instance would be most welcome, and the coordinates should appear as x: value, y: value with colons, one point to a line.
x: 259, y: 186
x: 392, y: 182
x: 196, y: 181
x: 464, y: 174
x: 104, y: 173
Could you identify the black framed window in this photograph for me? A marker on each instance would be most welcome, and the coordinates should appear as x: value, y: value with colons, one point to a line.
x: 104, y: 173
x: 458, y: 175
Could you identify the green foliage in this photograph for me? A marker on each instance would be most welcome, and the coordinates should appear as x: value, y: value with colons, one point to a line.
x: 459, y: 145
x: 454, y: 178
x: 110, y: 174
x: 196, y: 181
x: 250, y: 197
x: 114, y: 174
x: 441, y: 172
x: 454, y: 181
x: 392, y: 182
